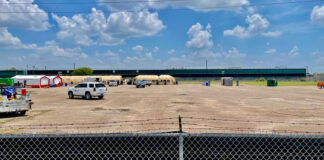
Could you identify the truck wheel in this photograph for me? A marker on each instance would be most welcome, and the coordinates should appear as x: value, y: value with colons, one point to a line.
x: 71, y: 96
x: 87, y: 96
x: 100, y: 97
x: 22, y: 113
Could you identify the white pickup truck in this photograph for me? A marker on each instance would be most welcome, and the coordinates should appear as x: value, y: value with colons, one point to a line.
x: 88, y: 90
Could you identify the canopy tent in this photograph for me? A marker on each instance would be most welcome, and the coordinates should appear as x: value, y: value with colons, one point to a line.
x: 55, y: 80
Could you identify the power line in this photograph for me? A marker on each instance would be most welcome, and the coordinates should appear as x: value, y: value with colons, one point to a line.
x: 177, y: 9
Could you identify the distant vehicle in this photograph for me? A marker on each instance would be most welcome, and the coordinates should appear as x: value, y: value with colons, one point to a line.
x: 15, y: 100
x: 148, y: 83
x: 112, y: 83
x: 140, y: 84
x: 320, y: 85
x: 88, y: 90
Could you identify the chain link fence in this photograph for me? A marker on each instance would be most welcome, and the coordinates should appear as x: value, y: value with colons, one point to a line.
x: 162, y: 146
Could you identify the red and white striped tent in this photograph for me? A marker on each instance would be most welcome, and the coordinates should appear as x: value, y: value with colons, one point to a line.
x: 56, y: 80
x: 34, y: 81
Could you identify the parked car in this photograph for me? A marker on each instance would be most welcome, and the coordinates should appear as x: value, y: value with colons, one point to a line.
x: 88, y: 90
x: 112, y: 83
x: 140, y: 84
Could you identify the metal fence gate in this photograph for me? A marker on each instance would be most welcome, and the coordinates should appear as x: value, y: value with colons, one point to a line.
x: 162, y: 146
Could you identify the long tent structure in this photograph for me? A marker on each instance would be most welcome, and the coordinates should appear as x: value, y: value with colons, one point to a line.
x: 34, y: 81
x: 119, y: 79
x: 154, y: 78
x: 167, y: 80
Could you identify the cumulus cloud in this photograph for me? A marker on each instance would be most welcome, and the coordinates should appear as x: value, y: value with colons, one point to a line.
x: 257, y: 26
x: 7, y: 40
x: 294, y: 51
x: 27, y: 20
x: 317, y: 15
x: 52, y: 48
x: 171, y: 51
x: 199, y: 38
x: 155, y: 49
x: 202, y: 5
x: 272, y: 50
x: 233, y: 53
x: 138, y: 48
x: 95, y: 28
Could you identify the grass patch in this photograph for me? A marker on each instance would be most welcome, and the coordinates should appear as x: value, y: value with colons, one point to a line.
x: 260, y: 83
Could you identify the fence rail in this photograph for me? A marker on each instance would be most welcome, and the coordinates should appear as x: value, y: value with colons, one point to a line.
x: 161, y: 146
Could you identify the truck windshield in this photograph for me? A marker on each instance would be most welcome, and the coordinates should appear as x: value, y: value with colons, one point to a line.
x: 100, y: 85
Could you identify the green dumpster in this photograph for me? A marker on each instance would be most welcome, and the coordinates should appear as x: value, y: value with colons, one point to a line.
x: 272, y: 83
x: 7, y: 81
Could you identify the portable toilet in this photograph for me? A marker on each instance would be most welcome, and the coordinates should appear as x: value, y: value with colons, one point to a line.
x: 227, y: 81
x: 272, y: 83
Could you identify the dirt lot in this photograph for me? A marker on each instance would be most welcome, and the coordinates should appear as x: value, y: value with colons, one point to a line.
x: 217, y: 108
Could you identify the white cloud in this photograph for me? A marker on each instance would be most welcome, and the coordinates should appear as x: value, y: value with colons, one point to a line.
x: 95, y: 28
x: 233, y: 53
x: 202, y: 5
x: 199, y: 38
x: 138, y: 48
x: 257, y: 26
x: 171, y: 51
x: 294, y: 51
x: 27, y: 20
x: 121, y: 51
x: 317, y: 53
x: 155, y: 49
x: 52, y: 48
x: 317, y: 15
x: 272, y: 50
x: 149, y: 55
x: 7, y: 40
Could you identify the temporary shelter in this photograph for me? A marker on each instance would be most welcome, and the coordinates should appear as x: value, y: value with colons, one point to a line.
x: 74, y: 79
x: 55, y: 80
x: 153, y: 78
x: 166, y: 80
x: 34, y: 81
x: 227, y: 81
x: 119, y: 79
x: 93, y: 79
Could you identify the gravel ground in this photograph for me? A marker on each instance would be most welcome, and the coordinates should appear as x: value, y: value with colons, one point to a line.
x: 248, y: 109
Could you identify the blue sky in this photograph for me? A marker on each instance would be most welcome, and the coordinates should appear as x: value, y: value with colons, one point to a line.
x: 161, y: 34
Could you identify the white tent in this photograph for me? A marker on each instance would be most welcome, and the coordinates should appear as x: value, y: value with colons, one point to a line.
x: 55, y: 80
x: 34, y: 81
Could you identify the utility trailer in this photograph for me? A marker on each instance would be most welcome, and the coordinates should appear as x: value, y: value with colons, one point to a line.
x: 19, y: 103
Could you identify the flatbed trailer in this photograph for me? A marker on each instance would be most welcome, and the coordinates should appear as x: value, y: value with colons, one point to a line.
x: 21, y: 104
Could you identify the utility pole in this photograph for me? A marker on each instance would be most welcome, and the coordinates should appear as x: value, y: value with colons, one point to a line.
x: 45, y: 68
x: 74, y: 66
x: 206, y: 64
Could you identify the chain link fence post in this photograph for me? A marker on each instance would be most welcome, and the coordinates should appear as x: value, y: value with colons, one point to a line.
x: 180, y: 140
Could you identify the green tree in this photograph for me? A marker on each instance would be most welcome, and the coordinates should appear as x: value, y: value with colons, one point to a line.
x: 82, y: 71
x: 12, y: 69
